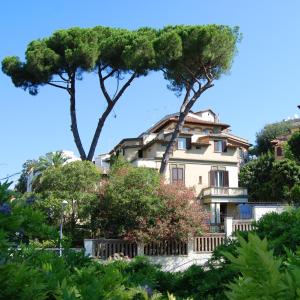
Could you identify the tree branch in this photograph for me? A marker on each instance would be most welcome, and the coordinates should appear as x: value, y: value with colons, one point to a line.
x: 63, y: 78
x: 103, y: 88
x: 109, y: 74
x: 124, y: 87
x: 57, y: 85
x: 106, y: 113
x: 207, y: 74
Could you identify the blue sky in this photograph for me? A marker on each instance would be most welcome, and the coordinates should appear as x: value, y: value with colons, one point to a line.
x: 263, y: 85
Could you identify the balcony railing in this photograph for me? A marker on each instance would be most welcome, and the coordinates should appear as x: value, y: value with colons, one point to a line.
x: 224, y: 191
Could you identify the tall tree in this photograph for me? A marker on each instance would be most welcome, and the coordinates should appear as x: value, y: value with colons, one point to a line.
x: 269, y: 133
x: 61, y: 59
x: 192, y: 57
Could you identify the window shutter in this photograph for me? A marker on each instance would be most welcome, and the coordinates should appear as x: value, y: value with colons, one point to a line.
x: 180, y: 174
x: 226, y: 179
x: 224, y: 146
x: 188, y: 143
x: 212, y: 178
x: 215, y: 146
x: 174, y: 174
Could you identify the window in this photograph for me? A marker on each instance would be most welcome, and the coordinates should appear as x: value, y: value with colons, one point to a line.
x: 200, y: 180
x: 219, y: 178
x: 140, y: 153
x: 184, y: 143
x: 220, y: 146
x: 177, y: 175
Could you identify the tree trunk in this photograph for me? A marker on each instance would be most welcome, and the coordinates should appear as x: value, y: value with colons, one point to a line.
x: 74, y: 127
x: 184, y: 110
x: 170, y: 146
x: 98, y: 130
x: 110, y: 105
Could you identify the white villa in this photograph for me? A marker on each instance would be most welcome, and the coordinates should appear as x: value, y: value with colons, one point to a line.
x: 207, y: 157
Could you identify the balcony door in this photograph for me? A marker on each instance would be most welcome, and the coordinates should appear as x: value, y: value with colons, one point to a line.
x: 219, y: 178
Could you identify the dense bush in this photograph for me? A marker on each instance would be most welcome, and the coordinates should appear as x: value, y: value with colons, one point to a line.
x: 136, y: 204
x: 263, y: 276
x: 281, y: 230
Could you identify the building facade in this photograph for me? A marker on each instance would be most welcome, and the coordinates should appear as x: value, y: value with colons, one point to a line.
x: 207, y: 157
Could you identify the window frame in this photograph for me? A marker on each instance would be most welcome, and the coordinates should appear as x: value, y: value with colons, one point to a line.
x: 174, y: 171
x: 185, y: 143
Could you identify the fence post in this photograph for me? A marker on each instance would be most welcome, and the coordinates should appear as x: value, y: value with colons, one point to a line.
x: 89, y: 247
x: 140, y: 249
x: 190, y: 246
x: 228, y: 222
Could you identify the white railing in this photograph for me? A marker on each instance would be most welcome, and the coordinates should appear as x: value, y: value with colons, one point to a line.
x: 224, y: 191
x: 208, y: 242
x: 242, y: 225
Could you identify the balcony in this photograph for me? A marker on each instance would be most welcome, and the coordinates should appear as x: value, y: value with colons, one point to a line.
x: 224, y: 195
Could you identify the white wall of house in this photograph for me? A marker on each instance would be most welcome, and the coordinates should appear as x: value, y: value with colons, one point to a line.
x: 262, y: 209
x: 180, y: 262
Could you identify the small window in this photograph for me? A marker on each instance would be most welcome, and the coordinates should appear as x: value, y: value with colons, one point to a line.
x: 186, y: 129
x: 220, y: 146
x: 200, y: 180
x: 140, y: 153
x: 182, y: 143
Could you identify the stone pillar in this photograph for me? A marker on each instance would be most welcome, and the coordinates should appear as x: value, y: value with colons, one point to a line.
x: 140, y: 249
x: 218, y: 213
x: 213, y: 213
x: 228, y: 222
x: 89, y: 247
x: 190, y: 246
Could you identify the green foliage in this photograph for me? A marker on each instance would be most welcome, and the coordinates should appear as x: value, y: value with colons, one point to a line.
x: 188, y: 52
x: 294, y: 145
x: 136, y: 204
x: 282, y: 230
x: 269, y: 133
x: 83, y: 49
x: 5, y: 192
x: 34, y: 168
x: 256, y: 177
x: 295, y: 194
x: 130, y: 195
x: 270, y: 180
x: 284, y: 175
x: 77, y: 183
x: 263, y: 276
